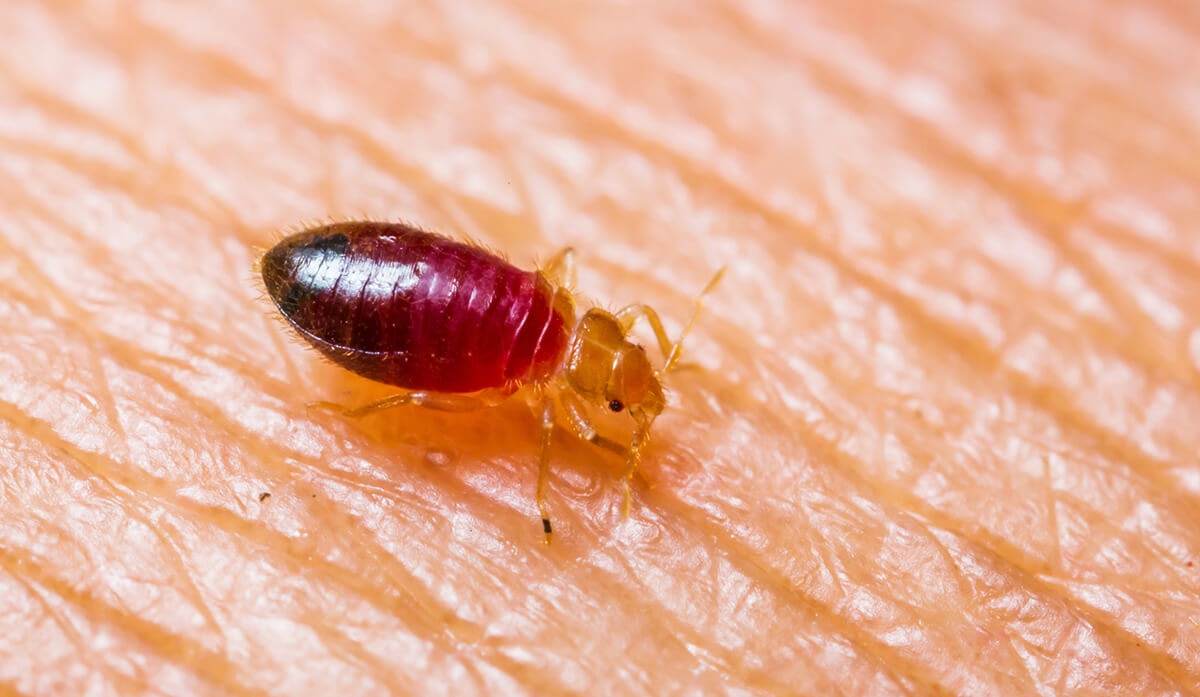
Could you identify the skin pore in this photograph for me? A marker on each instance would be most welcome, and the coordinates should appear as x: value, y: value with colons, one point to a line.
x: 939, y: 436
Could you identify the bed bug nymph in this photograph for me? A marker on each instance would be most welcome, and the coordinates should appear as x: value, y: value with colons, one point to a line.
x: 458, y: 328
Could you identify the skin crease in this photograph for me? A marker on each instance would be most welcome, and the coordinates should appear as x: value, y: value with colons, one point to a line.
x: 940, y: 438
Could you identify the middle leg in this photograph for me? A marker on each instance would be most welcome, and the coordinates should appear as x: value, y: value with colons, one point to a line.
x: 544, y: 464
x: 432, y: 400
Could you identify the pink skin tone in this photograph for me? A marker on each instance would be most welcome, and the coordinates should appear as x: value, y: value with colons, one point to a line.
x: 939, y: 434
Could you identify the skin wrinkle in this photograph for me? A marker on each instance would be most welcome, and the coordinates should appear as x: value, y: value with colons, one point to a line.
x: 1025, y: 196
x: 886, y: 654
x: 1173, y: 358
x: 64, y: 624
x: 128, y: 484
x: 144, y: 634
x: 355, y: 653
x: 678, y: 629
x: 302, y: 559
x: 1124, y: 306
x: 382, y: 156
x: 805, y: 600
x: 913, y: 503
x: 876, y: 654
x: 110, y: 474
x: 1107, y: 434
x: 102, y: 174
x: 938, y: 330
x: 360, y: 658
x: 940, y: 132
x: 594, y: 572
x: 77, y: 314
x: 907, y: 502
x: 1160, y: 665
x: 1032, y: 389
x: 777, y: 371
x: 29, y: 574
x: 48, y: 102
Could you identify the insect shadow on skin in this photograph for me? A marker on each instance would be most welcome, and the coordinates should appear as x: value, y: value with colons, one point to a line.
x: 459, y: 328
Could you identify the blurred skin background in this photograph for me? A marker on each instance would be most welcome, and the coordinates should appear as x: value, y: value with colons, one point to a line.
x: 941, y: 433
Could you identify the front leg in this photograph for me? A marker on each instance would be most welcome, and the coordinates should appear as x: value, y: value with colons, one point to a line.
x: 544, y: 464
x: 577, y: 416
x: 583, y: 427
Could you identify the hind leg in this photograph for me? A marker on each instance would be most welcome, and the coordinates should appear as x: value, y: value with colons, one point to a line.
x: 439, y: 401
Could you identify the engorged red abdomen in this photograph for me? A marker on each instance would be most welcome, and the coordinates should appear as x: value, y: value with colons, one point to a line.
x: 414, y: 309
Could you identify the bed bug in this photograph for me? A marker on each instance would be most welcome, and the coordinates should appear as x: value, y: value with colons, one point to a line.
x: 458, y: 328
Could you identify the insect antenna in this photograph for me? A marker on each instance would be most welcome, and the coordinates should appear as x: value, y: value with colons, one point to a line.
x: 677, y: 347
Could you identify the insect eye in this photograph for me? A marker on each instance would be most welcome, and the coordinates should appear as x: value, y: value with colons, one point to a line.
x: 616, y: 405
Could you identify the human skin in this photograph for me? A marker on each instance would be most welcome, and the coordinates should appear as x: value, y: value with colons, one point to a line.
x: 939, y: 436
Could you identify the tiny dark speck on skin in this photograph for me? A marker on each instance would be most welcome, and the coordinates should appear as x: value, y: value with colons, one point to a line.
x: 263, y: 496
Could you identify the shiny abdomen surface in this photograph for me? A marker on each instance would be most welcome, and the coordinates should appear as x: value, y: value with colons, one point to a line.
x: 411, y: 308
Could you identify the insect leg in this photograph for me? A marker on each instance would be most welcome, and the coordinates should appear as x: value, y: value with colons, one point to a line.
x: 640, y: 437
x: 583, y: 426
x: 431, y: 400
x: 561, y: 268
x: 544, y: 464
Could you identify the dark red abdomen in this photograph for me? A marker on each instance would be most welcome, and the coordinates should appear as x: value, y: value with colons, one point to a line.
x: 417, y: 310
